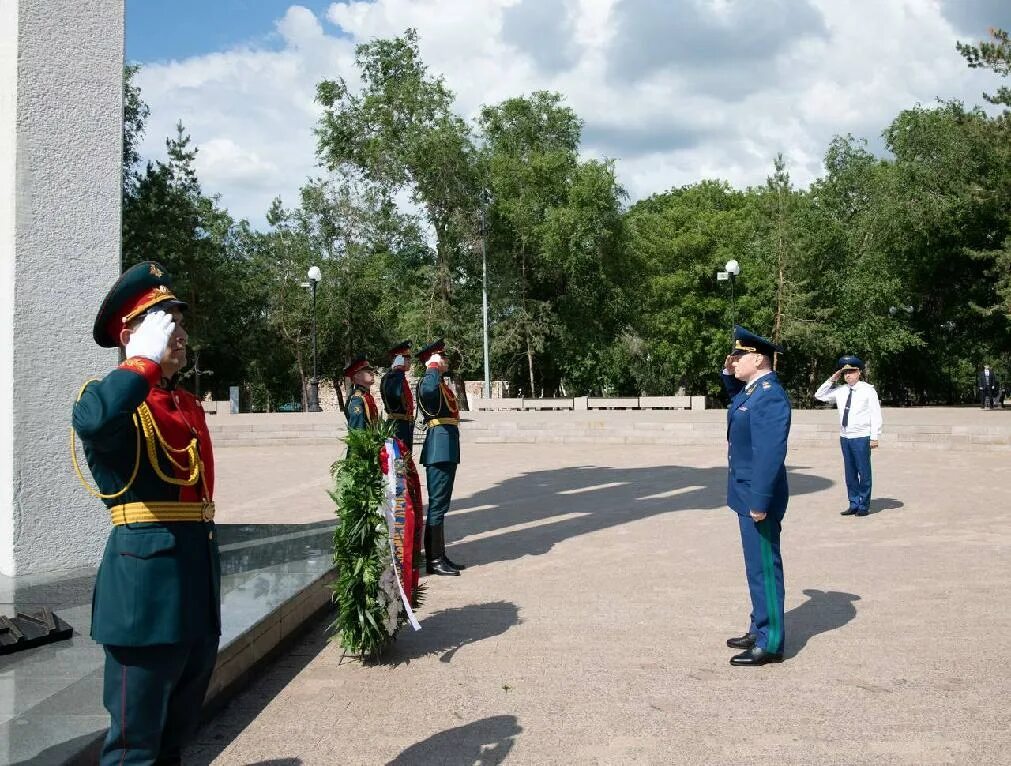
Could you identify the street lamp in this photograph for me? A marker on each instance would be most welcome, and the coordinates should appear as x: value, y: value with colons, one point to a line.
x: 730, y: 272
x: 315, y: 275
x: 484, y: 294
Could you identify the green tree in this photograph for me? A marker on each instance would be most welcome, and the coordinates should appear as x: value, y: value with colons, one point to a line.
x: 400, y: 132
x: 994, y: 55
x: 135, y: 114
x: 682, y: 326
x: 530, y: 155
x: 167, y: 218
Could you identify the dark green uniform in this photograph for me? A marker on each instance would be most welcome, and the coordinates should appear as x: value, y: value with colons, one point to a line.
x: 441, y: 453
x: 399, y: 405
x: 156, y: 605
x: 361, y: 409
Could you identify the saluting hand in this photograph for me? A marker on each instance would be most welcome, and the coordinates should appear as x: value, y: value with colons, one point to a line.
x: 151, y: 339
x: 729, y: 362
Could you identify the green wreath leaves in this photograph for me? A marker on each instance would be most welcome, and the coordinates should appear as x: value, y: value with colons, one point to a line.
x: 367, y: 617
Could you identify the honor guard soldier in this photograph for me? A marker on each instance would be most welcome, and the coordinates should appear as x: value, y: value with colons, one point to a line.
x: 156, y: 606
x: 859, y: 428
x: 758, y: 425
x: 361, y: 408
x: 440, y: 455
x: 396, y: 394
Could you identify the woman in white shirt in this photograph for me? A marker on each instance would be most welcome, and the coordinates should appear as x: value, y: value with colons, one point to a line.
x: 859, y: 429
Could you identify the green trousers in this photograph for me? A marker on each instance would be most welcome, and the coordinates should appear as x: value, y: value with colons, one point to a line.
x: 154, y: 695
x: 441, y: 477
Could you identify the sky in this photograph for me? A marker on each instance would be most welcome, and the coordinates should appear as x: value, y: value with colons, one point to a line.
x: 674, y: 91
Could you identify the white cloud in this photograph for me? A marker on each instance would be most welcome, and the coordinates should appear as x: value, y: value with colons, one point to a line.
x: 668, y: 117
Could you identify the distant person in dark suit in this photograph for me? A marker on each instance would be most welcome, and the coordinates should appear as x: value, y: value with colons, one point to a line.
x: 989, y: 387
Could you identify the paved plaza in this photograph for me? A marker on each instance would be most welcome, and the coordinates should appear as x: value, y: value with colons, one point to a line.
x: 603, y: 582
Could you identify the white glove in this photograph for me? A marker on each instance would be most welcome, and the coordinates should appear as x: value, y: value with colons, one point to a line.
x: 152, y: 337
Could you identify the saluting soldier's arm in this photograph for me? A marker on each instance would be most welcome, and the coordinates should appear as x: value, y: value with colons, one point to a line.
x: 430, y: 383
x: 103, y: 415
x: 732, y: 385
x: 770, y: 426
x: 826, y: 391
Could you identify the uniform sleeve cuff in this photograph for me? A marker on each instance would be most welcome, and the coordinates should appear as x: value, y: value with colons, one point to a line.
x: 150, y: 371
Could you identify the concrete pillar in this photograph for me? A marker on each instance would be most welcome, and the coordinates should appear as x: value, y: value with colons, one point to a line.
x: 61, y: 104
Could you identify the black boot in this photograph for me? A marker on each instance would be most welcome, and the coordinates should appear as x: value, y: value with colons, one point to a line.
x: 453, y: 564
x: 435, y: 553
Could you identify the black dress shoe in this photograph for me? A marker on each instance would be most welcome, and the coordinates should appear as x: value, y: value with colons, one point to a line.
x: 439, y: 566
x: 849, y: 512
x: 453, y: 564
x: 756, y: 656
x: 862, y: 513
x: 742, y: 642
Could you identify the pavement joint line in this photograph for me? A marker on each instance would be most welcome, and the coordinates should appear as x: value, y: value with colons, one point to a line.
x: 492, y: 533
x: 595, y: 487
x: 473, y: 509
x: 672, y: 492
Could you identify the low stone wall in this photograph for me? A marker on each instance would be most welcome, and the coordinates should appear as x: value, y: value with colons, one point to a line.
x: 915, y: 429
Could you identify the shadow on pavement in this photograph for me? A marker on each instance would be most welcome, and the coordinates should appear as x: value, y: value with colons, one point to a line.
x: 279, y: 762
x: 824, y: 611
x: 447, y: 631
x: 486, y: 742
x: 534, y: 511
x: 885, y: 504
x: 220, y: 730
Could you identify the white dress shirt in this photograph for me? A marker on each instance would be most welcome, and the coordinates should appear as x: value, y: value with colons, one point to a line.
x: 865, y: 410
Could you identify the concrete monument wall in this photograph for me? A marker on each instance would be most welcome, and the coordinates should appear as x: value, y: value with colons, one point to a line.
x: 61, y: 94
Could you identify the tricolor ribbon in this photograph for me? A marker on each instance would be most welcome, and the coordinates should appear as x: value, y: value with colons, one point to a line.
x: 389, y: 501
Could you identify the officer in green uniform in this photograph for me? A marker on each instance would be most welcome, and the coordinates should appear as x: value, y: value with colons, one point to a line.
x: 361, y: 409
x: 156, y: 605
x: 396, y: 393
x: 440, y: 455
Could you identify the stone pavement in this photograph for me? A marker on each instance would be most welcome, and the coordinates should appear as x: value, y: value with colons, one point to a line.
x: 589, y: 627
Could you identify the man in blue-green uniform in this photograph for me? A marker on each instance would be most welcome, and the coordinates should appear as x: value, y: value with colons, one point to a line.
x: 758, y: 426
x: 440, y: 455
x: 361, y: 409
x: 156, y: 605
x: 396, y: 393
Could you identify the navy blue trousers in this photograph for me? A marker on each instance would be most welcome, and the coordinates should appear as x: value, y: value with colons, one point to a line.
x: 763, y: 565
x: 441, y: 477
x: 856, y: 455
x: 154, y: 695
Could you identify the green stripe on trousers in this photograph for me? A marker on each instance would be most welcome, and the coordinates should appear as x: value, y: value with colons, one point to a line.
x: 769, y: 576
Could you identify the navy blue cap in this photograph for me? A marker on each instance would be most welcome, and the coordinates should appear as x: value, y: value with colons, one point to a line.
x: 850, y: 362
x: 746, y: 342
x: 432, y: 348
x: 401, y: 349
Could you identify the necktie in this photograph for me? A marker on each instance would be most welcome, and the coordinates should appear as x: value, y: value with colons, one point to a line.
x: 846, y: 412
